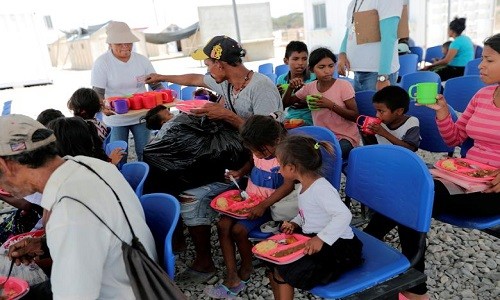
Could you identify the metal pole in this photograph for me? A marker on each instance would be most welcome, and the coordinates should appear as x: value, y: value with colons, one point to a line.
x: 238, y: 38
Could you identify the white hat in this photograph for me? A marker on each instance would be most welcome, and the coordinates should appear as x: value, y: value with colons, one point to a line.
x: 119, y: 33
x: 16, y: 135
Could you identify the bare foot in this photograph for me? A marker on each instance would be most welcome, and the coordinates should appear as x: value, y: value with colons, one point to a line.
x: 412, y: 296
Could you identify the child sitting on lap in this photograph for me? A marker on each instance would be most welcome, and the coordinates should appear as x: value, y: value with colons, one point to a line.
x: 333, y: 248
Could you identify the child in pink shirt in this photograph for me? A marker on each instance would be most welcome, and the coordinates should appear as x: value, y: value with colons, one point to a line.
x: 337, y: 107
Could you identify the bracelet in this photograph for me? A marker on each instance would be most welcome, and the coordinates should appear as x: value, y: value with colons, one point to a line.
x: 333, y: 106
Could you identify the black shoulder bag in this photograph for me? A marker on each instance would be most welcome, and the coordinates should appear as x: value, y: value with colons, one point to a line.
x: 148, y: 280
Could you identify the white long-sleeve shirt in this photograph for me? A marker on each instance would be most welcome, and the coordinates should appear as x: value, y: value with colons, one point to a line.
x: 322, y: 211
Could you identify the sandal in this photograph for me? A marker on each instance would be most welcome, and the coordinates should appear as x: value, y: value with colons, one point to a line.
x: 220, y: 291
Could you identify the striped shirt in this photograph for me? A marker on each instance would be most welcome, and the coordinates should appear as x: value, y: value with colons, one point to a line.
x: 263, y: 179
x: 481, y: 122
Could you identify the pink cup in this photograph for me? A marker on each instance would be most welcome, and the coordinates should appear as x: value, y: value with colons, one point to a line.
x: 120, y: 106
x: 364, y: 121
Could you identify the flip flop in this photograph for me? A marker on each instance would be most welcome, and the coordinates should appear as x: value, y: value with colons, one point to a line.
x: 194, y: 277
x: 270, y: 227
x: 220, y: 291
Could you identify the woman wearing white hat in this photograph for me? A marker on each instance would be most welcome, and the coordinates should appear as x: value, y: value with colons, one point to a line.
x: 120, y: 72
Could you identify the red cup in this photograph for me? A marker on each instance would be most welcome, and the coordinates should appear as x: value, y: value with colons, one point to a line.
x: 159, y: 97
x: 149, y: 101
x: 364, y: 121
x: 168, y: 96
x: 136, y: 101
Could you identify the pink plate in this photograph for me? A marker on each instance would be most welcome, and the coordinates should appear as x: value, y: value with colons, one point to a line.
x: 186, y: 105
x: 466, y: 169
x: 294, y: 241
x: 14, y: 288
x: 236, y: 206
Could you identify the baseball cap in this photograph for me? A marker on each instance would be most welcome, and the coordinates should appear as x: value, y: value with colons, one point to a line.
x: 119, y: 33
x: 16, y: 135
x: 221, y: 48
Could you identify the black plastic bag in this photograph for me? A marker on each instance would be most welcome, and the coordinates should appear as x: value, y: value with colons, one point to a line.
x: 191, y: 151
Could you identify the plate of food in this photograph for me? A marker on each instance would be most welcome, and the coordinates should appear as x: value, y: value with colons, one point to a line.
x: 467, y: 169
x: 14, y: 288
x: 293, y: 123
x: 281, y: 248
x: 232, y: 204
x: 187, y: 105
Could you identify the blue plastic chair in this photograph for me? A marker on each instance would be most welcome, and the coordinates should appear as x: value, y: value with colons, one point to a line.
x: 459, y: 90
x: 332, y: 164
x: 162, y: 214
x: 431, y: 138
x: 110, y: 146
x: 433, y: 53
x: 478, y: 52
x: 421, y: 76
x: 6, y: 107
x: 472, y: 67
x: 419, y: 51
x: 364, y: 103
x: 407, y: 200
x: 187, y: 92
x: 177, y: 88
x: 480, y: 223
x: 135, y: 173
x: 267, y: 68
x: 271, y: 76
x: 281, y: 69
x: 407, y: 64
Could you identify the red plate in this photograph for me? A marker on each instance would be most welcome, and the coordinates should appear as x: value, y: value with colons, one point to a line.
x: 14, y: 239
x: 236, y: 206
x: 294, y: 241
x: 465, y: 168
x: 14, y: 288
x: 186, y: 105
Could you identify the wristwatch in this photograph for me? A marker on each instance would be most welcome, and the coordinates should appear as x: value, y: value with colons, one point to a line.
x: 382, y: 78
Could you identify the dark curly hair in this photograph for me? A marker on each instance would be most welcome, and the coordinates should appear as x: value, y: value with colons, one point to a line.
x: 84, y: 103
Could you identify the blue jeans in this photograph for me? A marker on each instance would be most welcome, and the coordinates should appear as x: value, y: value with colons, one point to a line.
x: 139, y: 131
x: 198, y: 212
x: 345, y: 147
x: 365, y: 81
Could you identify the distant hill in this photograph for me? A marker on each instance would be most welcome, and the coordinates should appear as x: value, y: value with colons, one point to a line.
x: 294, y: 20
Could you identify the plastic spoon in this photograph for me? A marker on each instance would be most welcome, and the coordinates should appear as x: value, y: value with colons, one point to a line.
x: 243, y: 193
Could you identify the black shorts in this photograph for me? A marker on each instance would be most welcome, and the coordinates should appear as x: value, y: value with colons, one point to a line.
x: 323, y: 267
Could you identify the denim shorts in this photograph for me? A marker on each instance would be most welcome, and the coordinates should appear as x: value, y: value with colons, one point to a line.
x: 198, y: 212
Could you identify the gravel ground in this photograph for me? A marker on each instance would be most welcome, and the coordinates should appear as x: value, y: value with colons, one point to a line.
x: 460, y: 263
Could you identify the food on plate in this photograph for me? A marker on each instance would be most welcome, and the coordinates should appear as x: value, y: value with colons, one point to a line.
x: 482, y: 173
x: 266, y: 246
x: 240, y: 211
x: 462, y: 163
x: 222, y: 203
x: 288, y: 251
x: 236, y: 197
x: 449, y: 165
x: 292, y: 123
x: 290, y: 240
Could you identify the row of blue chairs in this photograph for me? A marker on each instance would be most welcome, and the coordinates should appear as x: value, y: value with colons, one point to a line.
x: 458, y: 91
x: 183, y: 92
x: 435, y: 52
